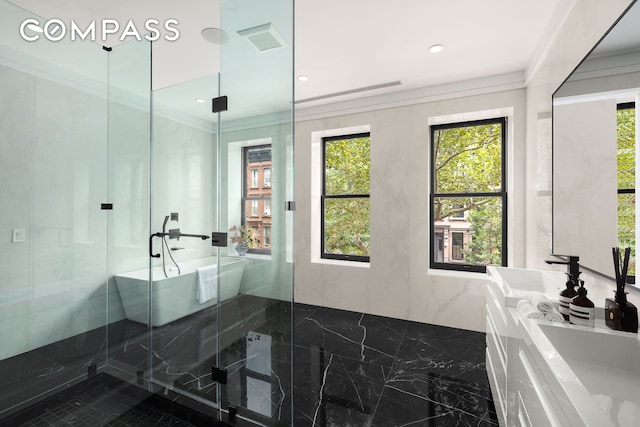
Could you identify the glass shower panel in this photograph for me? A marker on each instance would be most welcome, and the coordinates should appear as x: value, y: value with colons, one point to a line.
x: 53, y: 253
x: 256, y: 151
x: 183, y: 216
x: 128, y: 142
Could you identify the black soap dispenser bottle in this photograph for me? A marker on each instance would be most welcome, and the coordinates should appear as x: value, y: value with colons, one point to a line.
x: 566, y: 297
x: 582, y: 310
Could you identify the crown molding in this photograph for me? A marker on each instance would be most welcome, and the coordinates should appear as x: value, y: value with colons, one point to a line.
x: 472, y: 87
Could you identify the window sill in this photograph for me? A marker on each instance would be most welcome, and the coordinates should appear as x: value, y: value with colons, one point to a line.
x: 343, y: 263
x: 455, y: 273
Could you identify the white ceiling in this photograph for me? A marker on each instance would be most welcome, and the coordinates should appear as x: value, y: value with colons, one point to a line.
x: 348, y: 45
x: 345, y: 45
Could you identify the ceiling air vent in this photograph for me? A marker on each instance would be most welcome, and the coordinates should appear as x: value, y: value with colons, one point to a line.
x: 263, y: 37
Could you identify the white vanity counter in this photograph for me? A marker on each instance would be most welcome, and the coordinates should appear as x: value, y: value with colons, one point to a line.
x: 518, y: 283
x: 556, y: 374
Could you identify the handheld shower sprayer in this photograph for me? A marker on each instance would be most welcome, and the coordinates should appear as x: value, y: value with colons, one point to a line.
x: 173, y: 234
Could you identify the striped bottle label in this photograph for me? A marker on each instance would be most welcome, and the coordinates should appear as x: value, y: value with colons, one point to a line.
x: 582, y: 316
x: 563, y: 306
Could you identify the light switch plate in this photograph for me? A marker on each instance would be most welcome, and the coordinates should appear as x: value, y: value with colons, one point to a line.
x: 19, y: 235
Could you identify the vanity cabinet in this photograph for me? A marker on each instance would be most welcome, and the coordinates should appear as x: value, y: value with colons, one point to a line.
x: 497, y: 356
x: 523, y: 391
x: 556, y: 374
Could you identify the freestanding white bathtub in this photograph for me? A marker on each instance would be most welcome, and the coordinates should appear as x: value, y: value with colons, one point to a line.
x: 175, y: 297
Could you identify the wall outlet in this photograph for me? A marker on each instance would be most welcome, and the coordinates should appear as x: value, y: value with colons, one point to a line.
x: 174, y: 216
x: 19, y: 235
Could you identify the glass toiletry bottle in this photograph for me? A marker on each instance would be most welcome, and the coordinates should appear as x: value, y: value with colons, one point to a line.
x: 566, y: 297
x: 582, y: 310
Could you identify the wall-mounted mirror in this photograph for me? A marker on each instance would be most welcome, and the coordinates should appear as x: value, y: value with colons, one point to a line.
x: 594, y: 150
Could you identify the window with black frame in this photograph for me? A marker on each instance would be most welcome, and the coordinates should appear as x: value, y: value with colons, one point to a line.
x: 468, y: 195
x: 256, y: 198
x: 626, y: 159
x: 345, y: 197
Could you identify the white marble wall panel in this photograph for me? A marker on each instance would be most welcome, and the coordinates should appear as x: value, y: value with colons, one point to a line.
x: 15, y: 176
x: 129, y: 141
x: 54, y: 173
x: 398, y: 282
x: 14, y: 323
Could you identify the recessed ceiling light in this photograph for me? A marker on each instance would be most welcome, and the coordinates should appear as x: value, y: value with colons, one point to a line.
x: 303, y: 78
x: 200, y: 100
x: 215, y: 35
x: 436, y: 48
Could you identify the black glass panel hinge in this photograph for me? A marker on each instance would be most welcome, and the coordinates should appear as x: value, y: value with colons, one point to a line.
x: 219, y: 104
x: 218, y: 375
x: 219, y: 239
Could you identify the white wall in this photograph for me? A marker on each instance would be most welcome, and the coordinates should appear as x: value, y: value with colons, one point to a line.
x: 184, y: 181
x: 54, y: 177
x: 397, y: 282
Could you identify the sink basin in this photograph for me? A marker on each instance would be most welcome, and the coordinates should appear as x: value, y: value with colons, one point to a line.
x: 517, y: 283
x: 605, y: 362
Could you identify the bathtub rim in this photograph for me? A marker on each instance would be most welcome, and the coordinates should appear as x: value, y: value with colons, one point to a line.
x: 158, y: 274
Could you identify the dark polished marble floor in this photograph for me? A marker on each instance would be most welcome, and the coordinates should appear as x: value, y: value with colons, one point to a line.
x: 349, y: 369
x: 354, y: 369
x: 103, y: 400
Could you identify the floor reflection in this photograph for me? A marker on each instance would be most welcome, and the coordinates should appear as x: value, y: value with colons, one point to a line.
x: 349, y: 369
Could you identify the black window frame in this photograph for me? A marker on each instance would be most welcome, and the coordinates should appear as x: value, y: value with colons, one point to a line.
x: 502, y: 194
x: 245, y: 197
x: 325, y: 196
x: 626, y: 106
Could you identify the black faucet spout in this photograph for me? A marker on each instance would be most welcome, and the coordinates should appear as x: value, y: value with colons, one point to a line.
x: 198, y: 236
x: 172, y: 234
x: 573, y: 266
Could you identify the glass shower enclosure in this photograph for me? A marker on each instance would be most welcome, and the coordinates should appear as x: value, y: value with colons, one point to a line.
x: 147, y: 240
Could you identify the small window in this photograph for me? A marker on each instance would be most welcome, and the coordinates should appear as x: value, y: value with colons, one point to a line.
x: 458, y: 212
x: 267, y: 177
x: 468, y: 193
x: 256, y: 200
x: 345, y: 197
